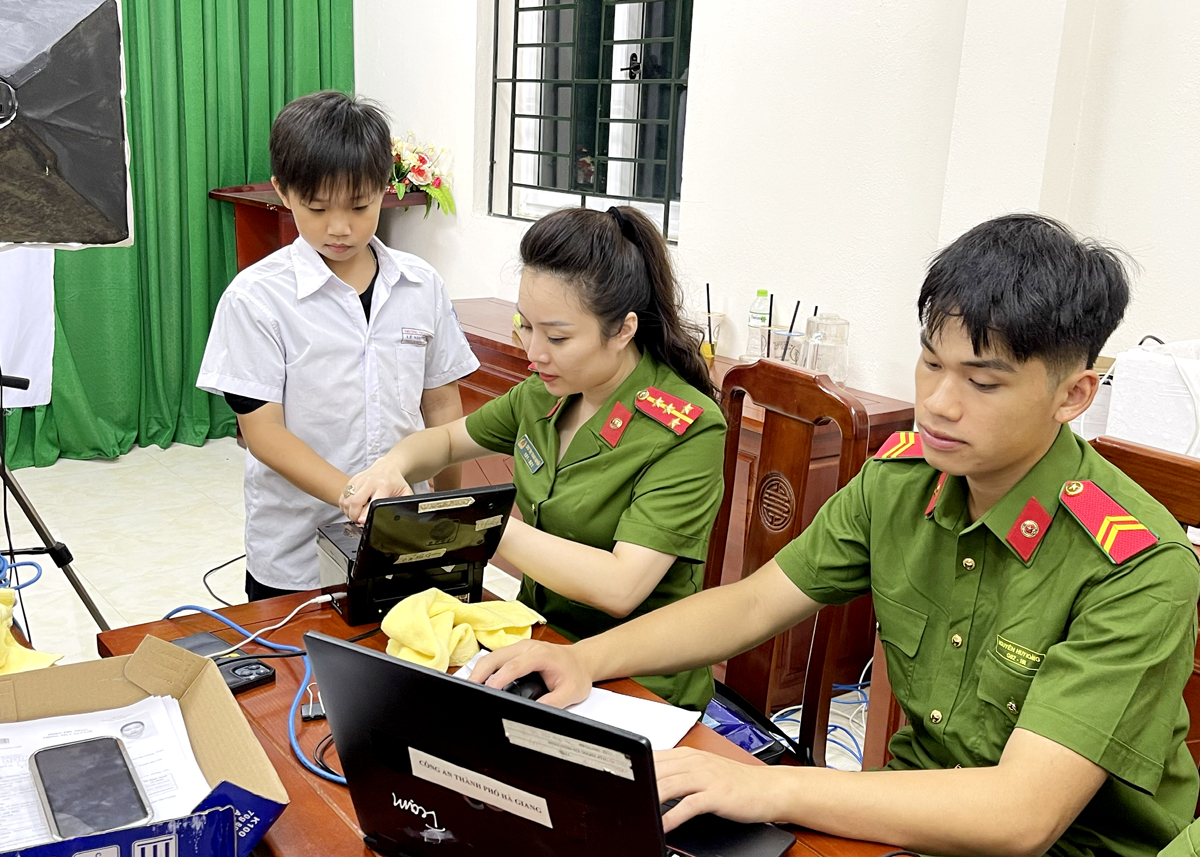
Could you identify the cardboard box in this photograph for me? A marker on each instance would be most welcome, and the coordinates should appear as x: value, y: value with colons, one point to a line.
x: 247, y: 795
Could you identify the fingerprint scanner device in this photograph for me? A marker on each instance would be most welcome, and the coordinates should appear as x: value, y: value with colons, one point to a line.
x: 240, y: 671
x: 409, y: 544
x: 437, y: 765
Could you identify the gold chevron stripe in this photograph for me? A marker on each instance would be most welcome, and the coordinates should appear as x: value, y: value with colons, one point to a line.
x: 1109, y: 520
x: 907, y: 440
x: 1116, y: 530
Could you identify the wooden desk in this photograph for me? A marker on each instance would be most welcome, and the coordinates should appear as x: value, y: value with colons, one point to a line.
x: 320, y: 820
x: 262, y: 224
x: 487, y: 323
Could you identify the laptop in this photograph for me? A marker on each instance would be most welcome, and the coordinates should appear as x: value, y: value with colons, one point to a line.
x: 409, y: 544
x: 439, y: 766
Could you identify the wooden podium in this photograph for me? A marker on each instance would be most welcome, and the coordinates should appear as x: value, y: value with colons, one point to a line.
x: 263, y: 224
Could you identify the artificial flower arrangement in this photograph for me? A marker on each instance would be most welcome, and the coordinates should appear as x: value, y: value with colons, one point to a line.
x: 415, y: 167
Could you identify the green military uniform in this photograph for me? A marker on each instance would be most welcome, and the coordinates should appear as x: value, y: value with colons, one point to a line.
x: 645, y: 469
x: 1058, y: 611
x: 1186, y: 844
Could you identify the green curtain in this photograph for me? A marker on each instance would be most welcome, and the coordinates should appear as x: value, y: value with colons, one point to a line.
x: 203, y: 82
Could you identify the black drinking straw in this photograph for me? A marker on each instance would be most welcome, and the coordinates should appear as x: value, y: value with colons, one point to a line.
x: 791, y: 327
x: 708, y: 317
x: 770, y: 321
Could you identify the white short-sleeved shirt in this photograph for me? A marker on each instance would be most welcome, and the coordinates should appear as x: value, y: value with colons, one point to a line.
x: 287, y: 330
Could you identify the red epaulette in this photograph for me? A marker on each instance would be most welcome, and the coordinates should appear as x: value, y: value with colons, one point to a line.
x: 670, y: 411
x: 1114, y: 530
x: 902, y: 444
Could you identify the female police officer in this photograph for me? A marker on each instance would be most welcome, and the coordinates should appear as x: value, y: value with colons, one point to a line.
x: 617, y: 440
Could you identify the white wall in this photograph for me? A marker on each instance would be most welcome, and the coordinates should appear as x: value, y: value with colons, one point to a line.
x: 832, y: 147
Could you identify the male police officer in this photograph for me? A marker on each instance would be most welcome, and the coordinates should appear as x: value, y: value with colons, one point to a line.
x: 1038, y: 609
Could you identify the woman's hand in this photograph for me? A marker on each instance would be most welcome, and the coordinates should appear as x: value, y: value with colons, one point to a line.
x: 382, y: 479
x: 565, y: 675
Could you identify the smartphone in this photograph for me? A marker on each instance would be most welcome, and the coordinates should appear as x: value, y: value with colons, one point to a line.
x: 89, y: 787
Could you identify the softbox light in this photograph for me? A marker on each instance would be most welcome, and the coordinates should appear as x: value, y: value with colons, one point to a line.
x: 63, y: 177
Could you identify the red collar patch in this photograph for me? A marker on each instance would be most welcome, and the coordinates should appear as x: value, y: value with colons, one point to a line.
x: 1029, y: 529
x: 615, y: 425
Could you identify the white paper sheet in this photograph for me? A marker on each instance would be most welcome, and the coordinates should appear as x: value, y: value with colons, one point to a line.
x: 662, y: 724
x: 155, y: 737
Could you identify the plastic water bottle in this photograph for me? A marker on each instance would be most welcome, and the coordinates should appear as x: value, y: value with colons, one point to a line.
x: 757, y: 326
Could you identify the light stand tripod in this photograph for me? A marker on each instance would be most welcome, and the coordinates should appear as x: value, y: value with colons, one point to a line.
x: 56, y: 549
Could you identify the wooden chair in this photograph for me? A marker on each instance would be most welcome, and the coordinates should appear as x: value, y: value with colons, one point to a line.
x: 795, y: 402
x: 1171, y: 479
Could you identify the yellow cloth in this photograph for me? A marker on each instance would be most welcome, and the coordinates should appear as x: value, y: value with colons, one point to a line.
x: 438, y: 631
x: 15, y: 658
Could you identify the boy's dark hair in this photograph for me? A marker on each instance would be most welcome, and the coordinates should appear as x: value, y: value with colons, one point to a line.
x: 328, y: 142
x: 617, y: 262
x: 1026, y: 283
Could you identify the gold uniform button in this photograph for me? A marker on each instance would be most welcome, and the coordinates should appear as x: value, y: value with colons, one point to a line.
x: 935, y: 716
x: 1012, y: 706
x: 968, y: 563
x: 1029, y: 529
x: 1074, y: 488
x: 615, y: 423
x: 956, y: 641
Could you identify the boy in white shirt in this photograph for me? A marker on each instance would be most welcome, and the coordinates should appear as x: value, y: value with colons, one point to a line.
x: 332, y: 349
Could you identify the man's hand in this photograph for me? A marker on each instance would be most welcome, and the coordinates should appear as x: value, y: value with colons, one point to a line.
x: 560, y: 667
x: 381, y: 479
x: 710, y: 783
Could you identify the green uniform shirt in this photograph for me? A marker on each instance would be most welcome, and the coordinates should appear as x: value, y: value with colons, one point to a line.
x: 1186, y: 844
x: 1087, y: 653
x: 655, y: 488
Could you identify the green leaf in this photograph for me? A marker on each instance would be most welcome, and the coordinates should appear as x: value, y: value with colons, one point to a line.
x: 443, y: 197
x: 399, y: 188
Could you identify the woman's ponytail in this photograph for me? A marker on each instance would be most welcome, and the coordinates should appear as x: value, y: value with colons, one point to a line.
x: 619, y: 262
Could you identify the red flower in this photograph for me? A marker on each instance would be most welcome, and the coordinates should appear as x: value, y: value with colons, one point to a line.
x: 437, y: 181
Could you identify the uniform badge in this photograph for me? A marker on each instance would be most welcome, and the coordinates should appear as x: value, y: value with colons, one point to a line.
x: 415, y: 336
x: 529, y: 454
x: 668, y: 410
x: 1114, y: 530
x: 937, y: 492
x: 902, y: 444
x: 1029, y: 529
x: 615, y: 425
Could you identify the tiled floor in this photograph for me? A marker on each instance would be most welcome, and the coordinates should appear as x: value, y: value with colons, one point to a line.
x: 143, y: 530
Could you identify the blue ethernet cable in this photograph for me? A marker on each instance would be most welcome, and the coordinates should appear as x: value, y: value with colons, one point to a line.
x: 293, y: 739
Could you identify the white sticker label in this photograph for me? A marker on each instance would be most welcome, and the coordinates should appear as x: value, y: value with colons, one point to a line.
x: 415, y: 336
x: 569, y: 749
x: 485, y: 789
x: 488, y: 523
x: 435, y: 505
x: 417, y: 557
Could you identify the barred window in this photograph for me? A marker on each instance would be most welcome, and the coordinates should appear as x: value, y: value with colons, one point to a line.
x: 588, y: 106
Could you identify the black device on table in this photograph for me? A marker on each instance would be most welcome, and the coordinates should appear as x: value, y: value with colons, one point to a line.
x: 436, y: 765
x: 409, y: 544
x: 240, y: 671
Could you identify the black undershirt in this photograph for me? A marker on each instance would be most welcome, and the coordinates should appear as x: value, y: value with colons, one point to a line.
x: 245, y: 404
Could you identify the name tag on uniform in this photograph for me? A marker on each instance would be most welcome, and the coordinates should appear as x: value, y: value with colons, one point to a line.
x: 414, y: 336
x: 530, y: 455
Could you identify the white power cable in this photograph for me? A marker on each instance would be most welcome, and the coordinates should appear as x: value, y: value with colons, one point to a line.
x: 320, y: 599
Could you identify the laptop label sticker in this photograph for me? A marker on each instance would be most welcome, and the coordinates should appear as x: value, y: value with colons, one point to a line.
x: 482, y: 788
x: 437, y: 505
x: 417, y: 557
x: 488, y: 523
x: 569, y: 749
